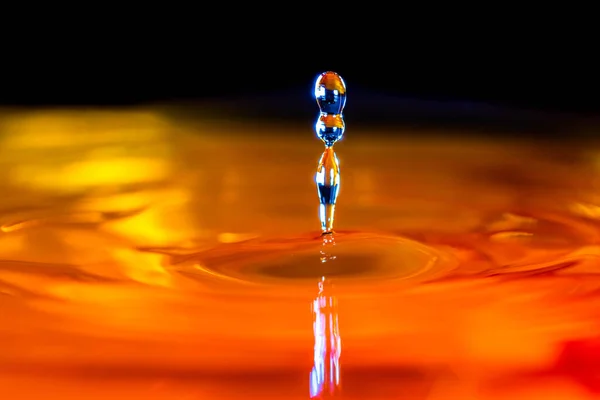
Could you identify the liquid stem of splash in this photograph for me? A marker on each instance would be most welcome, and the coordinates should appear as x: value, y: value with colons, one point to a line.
x: 330, y: 93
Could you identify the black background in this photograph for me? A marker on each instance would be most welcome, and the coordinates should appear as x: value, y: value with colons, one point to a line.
x: 535, y: 83
x: 547, y: 73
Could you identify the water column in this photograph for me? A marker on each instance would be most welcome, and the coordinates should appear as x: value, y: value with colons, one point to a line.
x: 330, y: 93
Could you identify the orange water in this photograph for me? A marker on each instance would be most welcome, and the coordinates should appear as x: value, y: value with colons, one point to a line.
x: 145, y: 256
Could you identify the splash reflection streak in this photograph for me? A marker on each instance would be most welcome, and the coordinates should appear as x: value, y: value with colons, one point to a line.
x: 325, y: 375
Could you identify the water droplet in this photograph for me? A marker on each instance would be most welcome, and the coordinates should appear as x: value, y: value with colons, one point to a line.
x: 330, y: 92
x: 330, y: 128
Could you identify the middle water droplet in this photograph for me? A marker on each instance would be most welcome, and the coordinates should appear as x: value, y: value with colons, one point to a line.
x: 330, y: 128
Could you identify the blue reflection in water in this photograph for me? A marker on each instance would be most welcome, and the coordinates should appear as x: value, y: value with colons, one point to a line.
x: 325, y: 375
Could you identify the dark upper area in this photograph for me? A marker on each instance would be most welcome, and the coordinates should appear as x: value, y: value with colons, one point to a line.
x: 263, y: 76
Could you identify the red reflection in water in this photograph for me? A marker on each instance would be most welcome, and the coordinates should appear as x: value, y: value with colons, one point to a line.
x: 580, y: 361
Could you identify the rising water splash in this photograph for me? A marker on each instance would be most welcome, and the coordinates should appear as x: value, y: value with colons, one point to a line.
x: 330, y: 93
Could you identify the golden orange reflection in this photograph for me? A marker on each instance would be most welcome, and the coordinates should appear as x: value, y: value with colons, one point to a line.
x: 147, y: 255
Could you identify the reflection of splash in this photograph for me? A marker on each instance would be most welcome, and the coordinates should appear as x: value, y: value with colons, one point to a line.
x: 328, y: 242
x: 325, y: 375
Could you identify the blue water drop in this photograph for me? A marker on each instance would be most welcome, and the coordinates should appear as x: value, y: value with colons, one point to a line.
x: 330, y: 93
x: 330, y: 128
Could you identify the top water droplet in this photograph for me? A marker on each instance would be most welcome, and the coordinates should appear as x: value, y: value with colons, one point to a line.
x: 330, y: 92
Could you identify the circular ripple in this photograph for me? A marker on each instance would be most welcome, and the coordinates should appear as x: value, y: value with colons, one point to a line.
x: 308, y: 267
x: 348, y: 257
